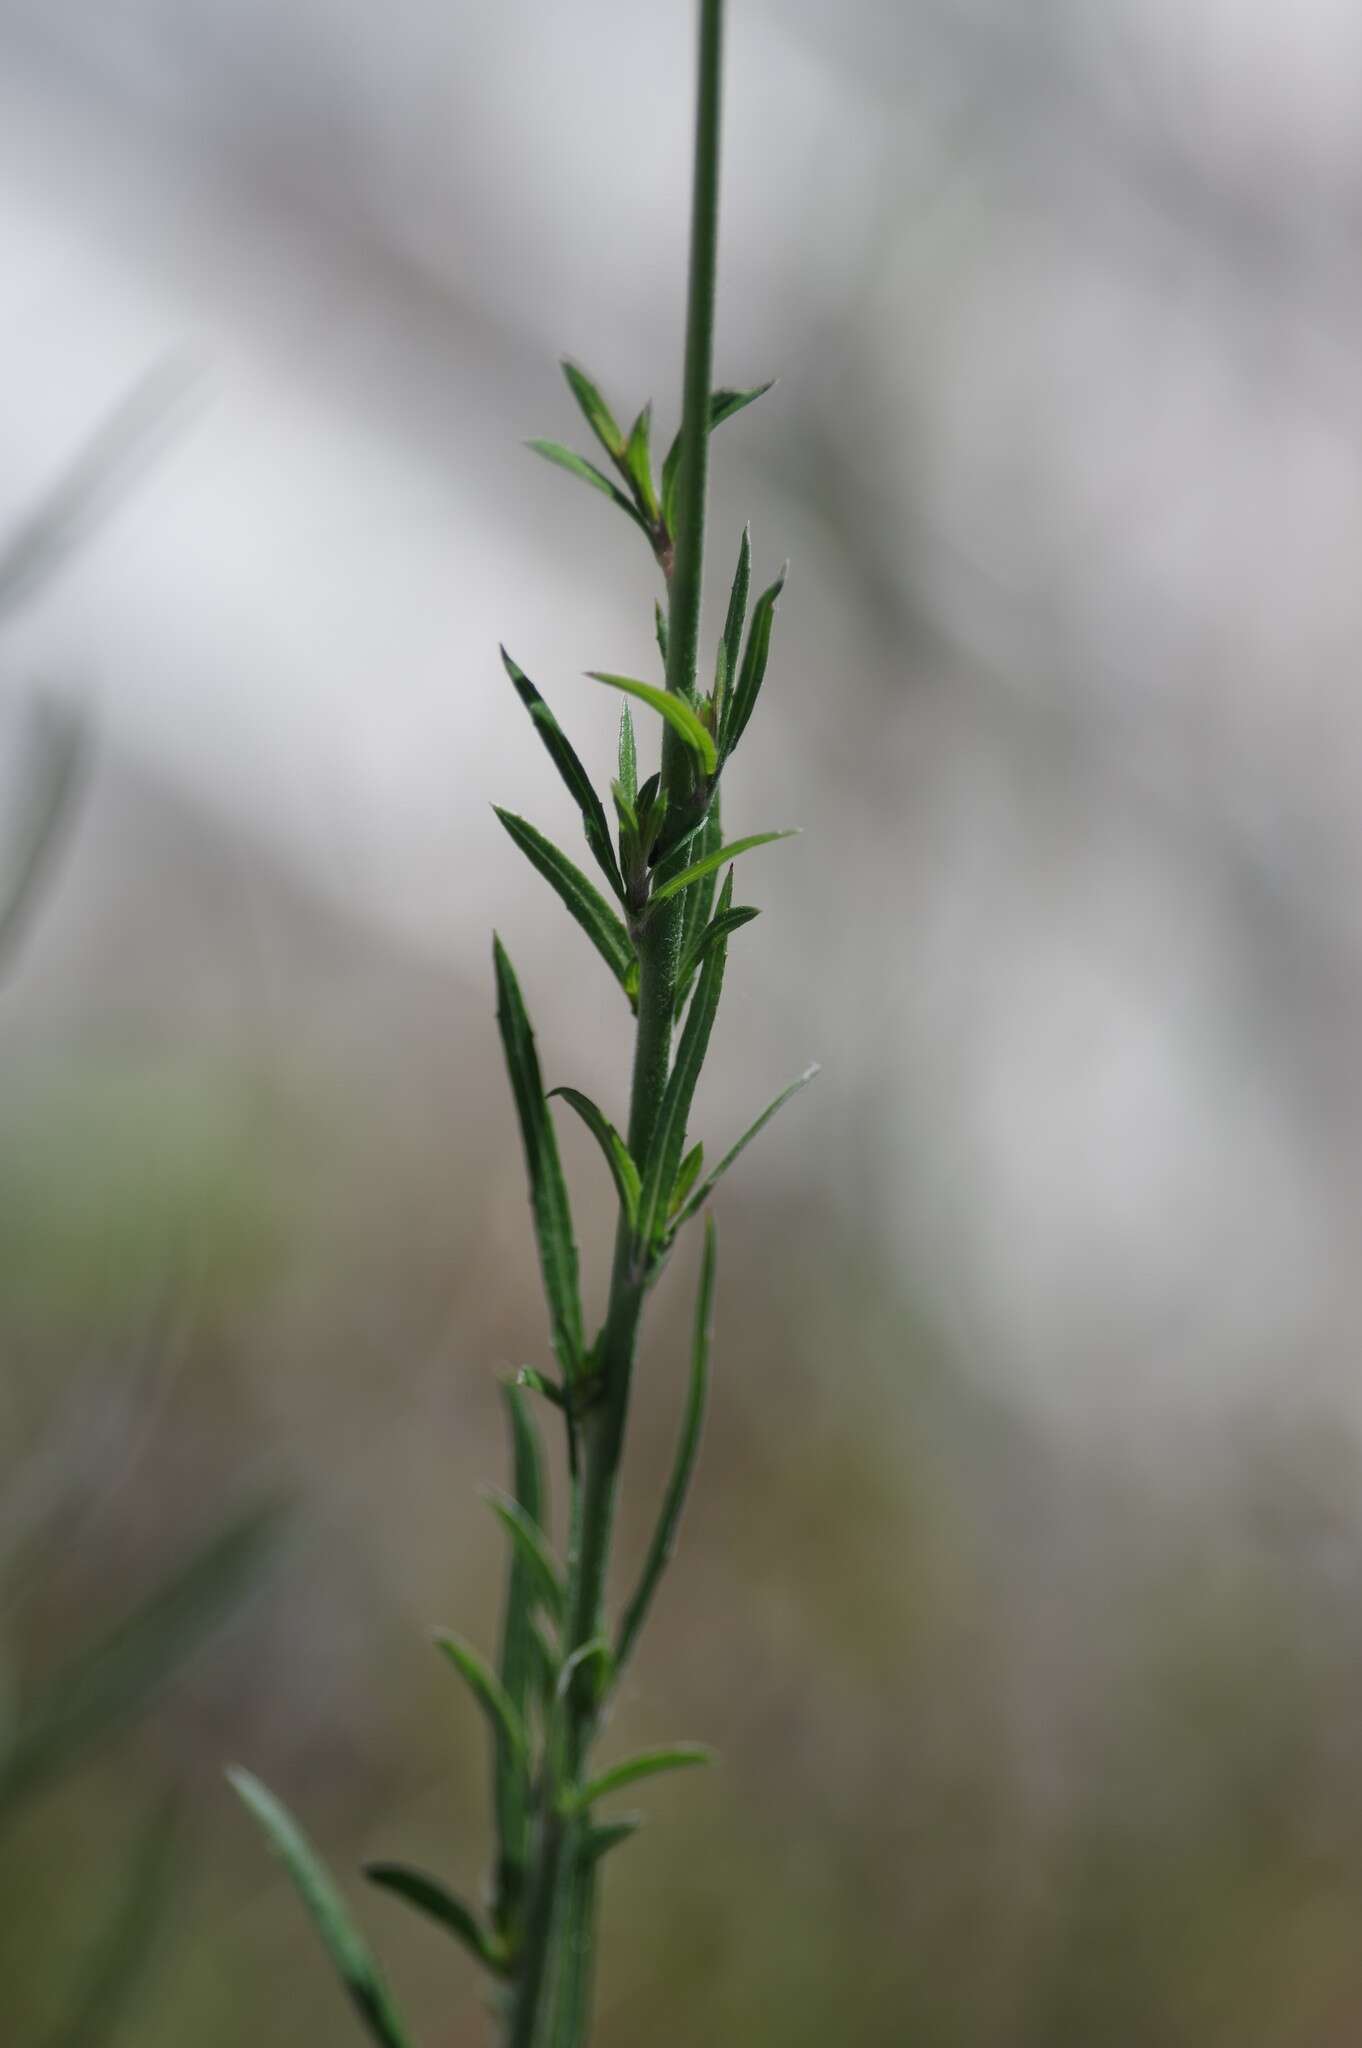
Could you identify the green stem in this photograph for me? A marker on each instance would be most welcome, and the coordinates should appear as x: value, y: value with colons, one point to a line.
x: 602, y: 1429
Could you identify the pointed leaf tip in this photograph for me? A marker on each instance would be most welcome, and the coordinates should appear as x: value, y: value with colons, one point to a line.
x: 344, y: 1943
x: 548, y: 1189
x: 618, y: 1157
x: 651, y: 1764
x: 715, y: 860
x: 708, y: 1185
x: 596, y: 412
x: 677, y: 712
x: 578, y: 466
x: 581, y: 899
x: 531, y: 1549
x: 429, y: 1896
x: 487, y: 1690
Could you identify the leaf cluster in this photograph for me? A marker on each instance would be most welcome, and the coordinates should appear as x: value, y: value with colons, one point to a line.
x: 667, y: 848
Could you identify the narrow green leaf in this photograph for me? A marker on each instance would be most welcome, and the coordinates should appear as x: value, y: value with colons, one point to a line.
x: 707, y: 1186
x: 113, y: 1970
x: 431, y: 1897
x: 669, y: 1135
x: 105, y: 1685
x: 653, y: 804
x: 628, y: 754
x: 577, y: 465
x: 518, y: 1665
x: 566, y: 761
x: 548, y: 1190
x: 699, y: 898
x: 638, y: 462
x: 606, y: 1835
x: 617, y: 1154
x: 724, y: 927
x: 663, y: 1545
x: 531, y: 1549
x: 716, y: 859
x: 684, y: 1756
x: 722, y: 406
x: 743, y: 699
x: 527, y: 1455
x: 537, y: 1384
x: 660, y: 628
x: 584, y: 902
x: 678, y: 714
x: 595, y: 1652
x: 626, y: 811
x: 546, y: 1667
x: 686, y: 1175
x: 346, y: 1946
x: 730, y: 644
x: 487, y: 1690
x: 598, y: 415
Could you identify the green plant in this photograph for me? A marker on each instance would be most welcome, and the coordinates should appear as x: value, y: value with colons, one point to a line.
x: 664, y: 937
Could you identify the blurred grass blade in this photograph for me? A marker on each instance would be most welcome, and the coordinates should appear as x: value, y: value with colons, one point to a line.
x: 109, y: 1683
x: 722, y: 406
x: 617, y: 1154
x: 577, y: 465
x: 120, y: 1952
x: 651, y: 1763
x: 674, y: 1500
x: 532, y: 1550
x: 30, y: 554
x: 660, y: 628
x: 730, y: 643
x: 597, y: 413
x: 678, y: 714
x: 708, y: 1185
x: 584, y: 902
x: 743, y: 700
x: 718, y: 928
x: 548, y: 1190
x: 59, y: 750
x: 669, y: 1135
x: 346, y: 1946
x: 711, y: 861
x: 443, y: 1906
x: 598, y: 1841
x: 565, y: 760
x: 628, y: 754
x: 638, y: 462
x: 488, y: 1691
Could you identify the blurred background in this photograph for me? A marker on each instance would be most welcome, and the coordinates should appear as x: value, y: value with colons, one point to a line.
x: 1020, y: 1585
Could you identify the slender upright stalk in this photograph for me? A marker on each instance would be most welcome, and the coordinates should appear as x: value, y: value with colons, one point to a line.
x: 603, y: 1427
x: 665, y: 940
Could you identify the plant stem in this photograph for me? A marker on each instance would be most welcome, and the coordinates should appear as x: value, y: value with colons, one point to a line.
x: 602, y: 1429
